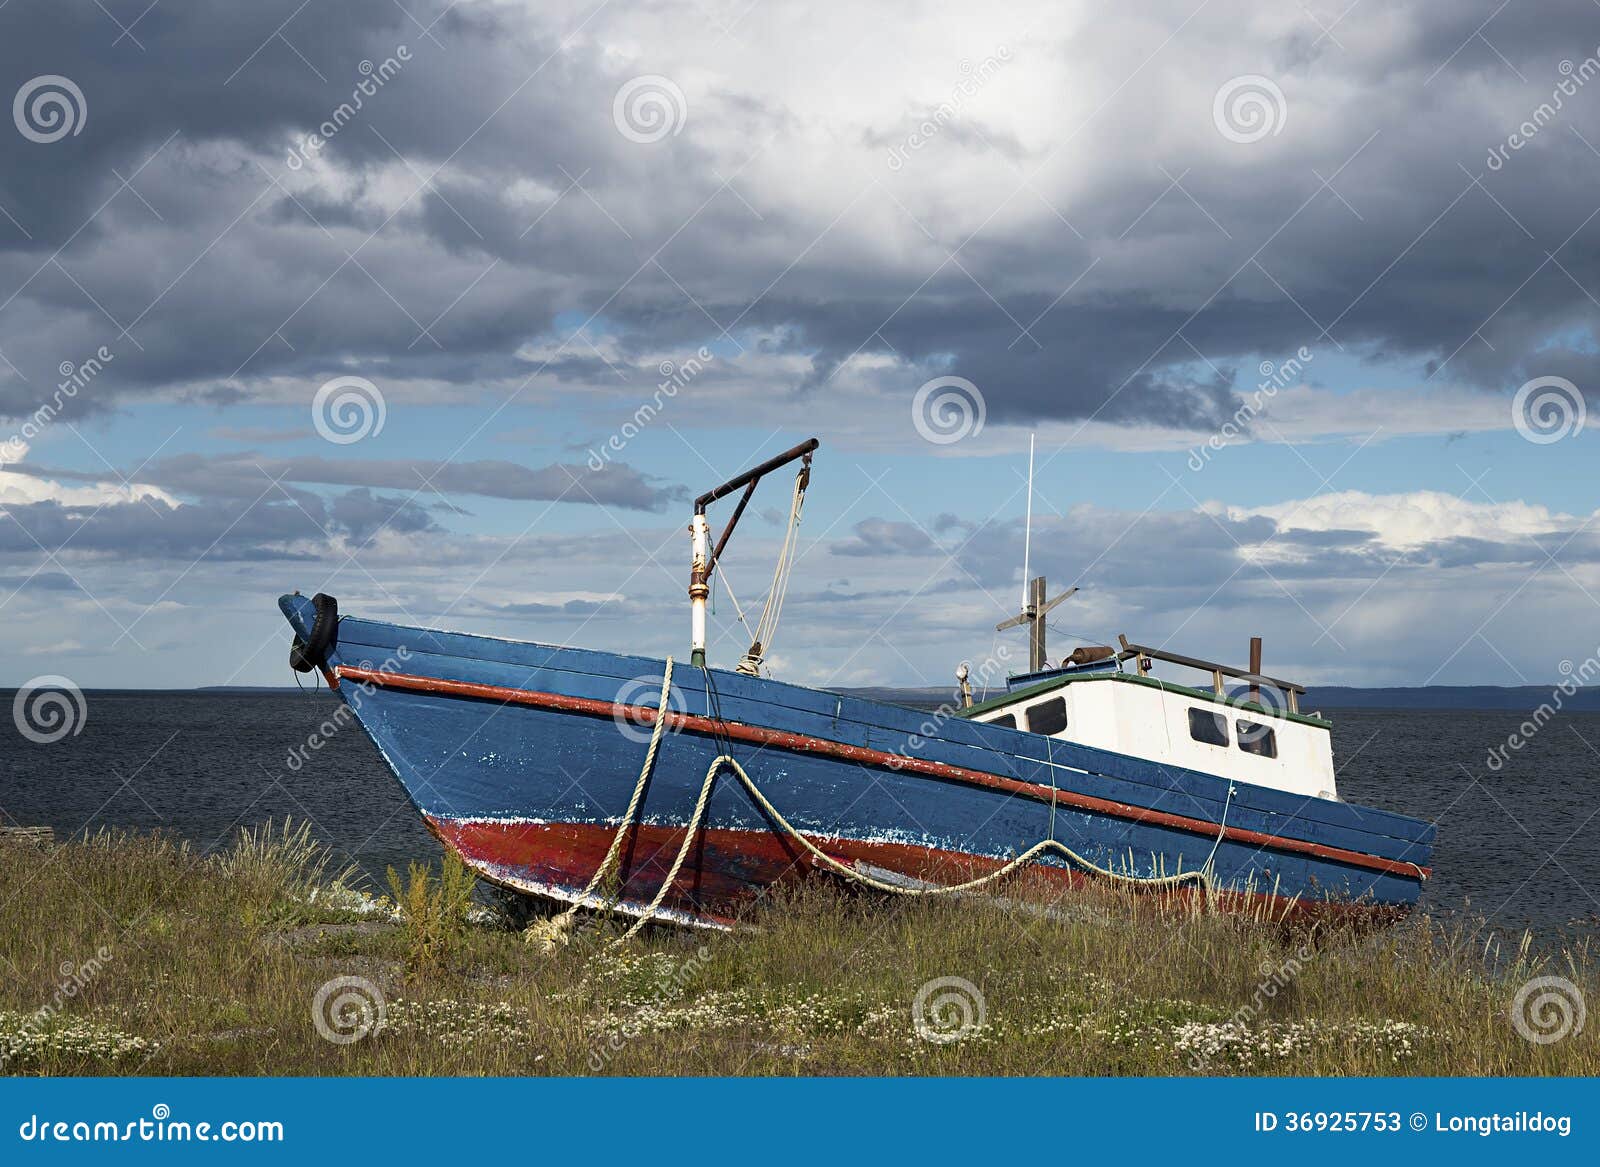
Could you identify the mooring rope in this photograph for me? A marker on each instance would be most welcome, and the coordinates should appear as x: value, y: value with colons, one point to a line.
x: 861, y: 877
x: 555, y: 932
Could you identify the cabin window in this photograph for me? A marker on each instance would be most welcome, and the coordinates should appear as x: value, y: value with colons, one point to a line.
x: 1208, y: 727
x: 1255, y: 738
x: 1048, y: 717
x: 1008, y: 720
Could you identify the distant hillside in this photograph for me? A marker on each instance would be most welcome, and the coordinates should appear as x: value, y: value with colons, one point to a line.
x: 243, y: 690
x: 1485, y: 698
x: 1480, y: 697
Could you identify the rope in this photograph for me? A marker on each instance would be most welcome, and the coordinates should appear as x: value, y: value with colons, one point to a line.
x: 832, y: 864
x: 1222, y: 827
x: 1050, y: 760
x: 767, y: 627
x: 722, y: 575
x: 556, y: 930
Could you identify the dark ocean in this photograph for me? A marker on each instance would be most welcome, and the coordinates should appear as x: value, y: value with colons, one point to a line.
x: 1520, y: 846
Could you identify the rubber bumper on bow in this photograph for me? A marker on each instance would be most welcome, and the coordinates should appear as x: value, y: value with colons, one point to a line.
x: 316, y: 625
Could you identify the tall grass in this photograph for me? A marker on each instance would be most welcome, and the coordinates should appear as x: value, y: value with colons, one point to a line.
x: 280, y: 873
x: 434, y: 911
x: 212, y: 967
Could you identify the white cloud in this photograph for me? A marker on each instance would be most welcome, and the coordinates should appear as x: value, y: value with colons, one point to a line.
x: 24, y: 489
x: 1408, y: 521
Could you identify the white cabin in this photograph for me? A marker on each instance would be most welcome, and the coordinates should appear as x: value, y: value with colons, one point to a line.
x: 1146, y: 717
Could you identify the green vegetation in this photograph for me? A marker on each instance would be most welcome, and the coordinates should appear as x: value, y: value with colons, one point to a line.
x: 434, y: 913
x: 132, y: 954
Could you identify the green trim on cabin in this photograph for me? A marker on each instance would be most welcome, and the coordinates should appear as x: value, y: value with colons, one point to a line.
x: 1021, y: 694
x: 1054, y: 683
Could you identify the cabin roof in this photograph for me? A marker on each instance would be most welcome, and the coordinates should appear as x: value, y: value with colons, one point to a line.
x: 1062, y: 680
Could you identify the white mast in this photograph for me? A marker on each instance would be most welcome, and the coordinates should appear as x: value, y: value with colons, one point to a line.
x: 1027, y: 528
x: 1034, y: 605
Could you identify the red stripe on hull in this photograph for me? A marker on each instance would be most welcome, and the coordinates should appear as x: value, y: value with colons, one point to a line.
x: 801, y: 743
x: 729, y: 869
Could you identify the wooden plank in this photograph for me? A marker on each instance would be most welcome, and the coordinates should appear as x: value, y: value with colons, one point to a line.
x: 39, y: 836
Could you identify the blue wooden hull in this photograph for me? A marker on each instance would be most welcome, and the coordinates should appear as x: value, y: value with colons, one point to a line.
x: 523, y: 756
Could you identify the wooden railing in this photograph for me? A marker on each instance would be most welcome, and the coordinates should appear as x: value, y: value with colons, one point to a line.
x: 1144, y: 654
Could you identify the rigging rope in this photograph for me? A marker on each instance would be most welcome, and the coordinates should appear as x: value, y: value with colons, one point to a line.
x: 738, y: 611
x: 767, y: 627
x: 555, y: 931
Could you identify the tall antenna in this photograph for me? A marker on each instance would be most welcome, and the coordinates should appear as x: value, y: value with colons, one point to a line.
x: 1027, y: 526
x: 1034, y: 605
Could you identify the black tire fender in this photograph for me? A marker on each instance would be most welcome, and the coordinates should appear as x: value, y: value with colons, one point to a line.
x: 311, y: 652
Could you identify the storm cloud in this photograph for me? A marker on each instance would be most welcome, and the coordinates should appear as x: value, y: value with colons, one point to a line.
x: 1080, y: 256
x: 522, y: 223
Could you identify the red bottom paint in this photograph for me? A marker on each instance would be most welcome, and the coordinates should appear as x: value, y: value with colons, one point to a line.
x: 729, y: 870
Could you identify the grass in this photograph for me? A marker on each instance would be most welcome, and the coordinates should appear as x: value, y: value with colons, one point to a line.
x: 131, y: 954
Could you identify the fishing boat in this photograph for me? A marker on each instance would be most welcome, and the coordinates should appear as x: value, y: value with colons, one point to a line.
x: 681, y: 791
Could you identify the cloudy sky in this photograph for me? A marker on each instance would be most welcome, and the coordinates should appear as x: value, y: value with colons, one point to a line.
x: 448, y: 309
